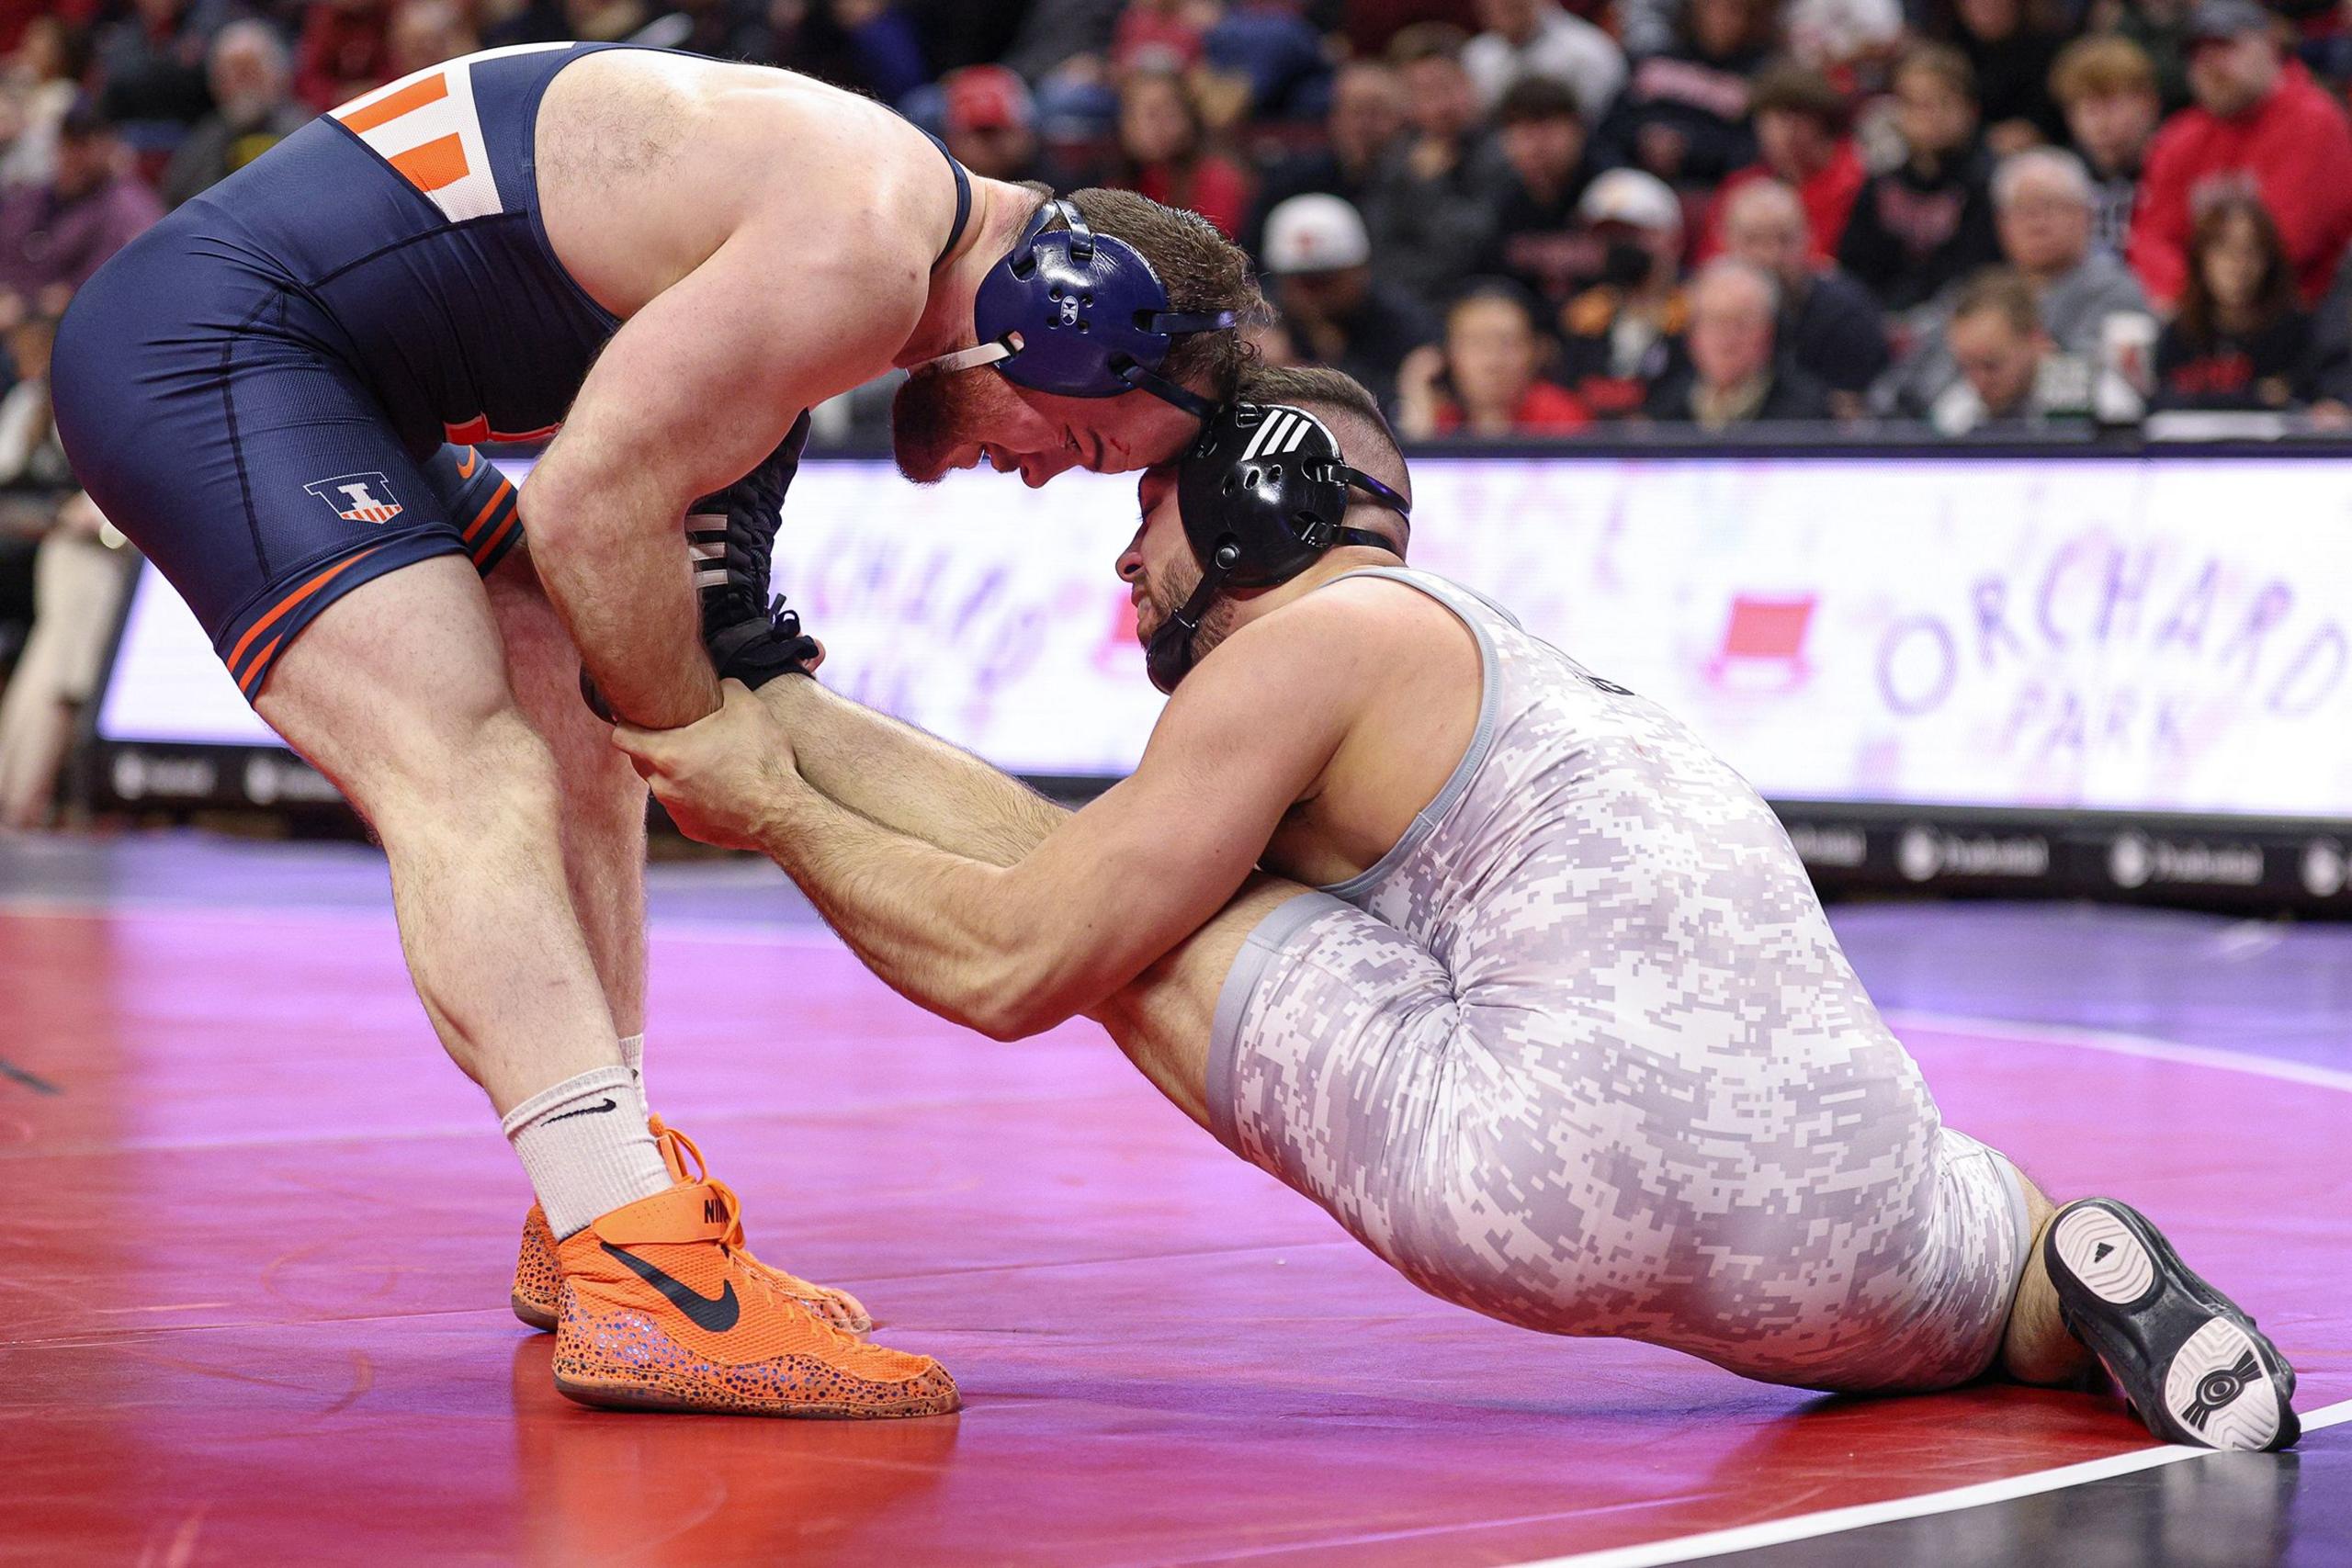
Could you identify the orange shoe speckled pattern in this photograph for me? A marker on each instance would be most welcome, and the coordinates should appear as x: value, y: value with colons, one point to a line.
x: 536, y: 1274
x: 537, y: 1277
x: 657, y: 1312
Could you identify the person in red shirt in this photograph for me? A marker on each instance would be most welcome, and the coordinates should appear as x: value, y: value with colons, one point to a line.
x: 1161, y: 151
x: 2261, y: 124
x: 1800, y: 132
x: 1483, y: 381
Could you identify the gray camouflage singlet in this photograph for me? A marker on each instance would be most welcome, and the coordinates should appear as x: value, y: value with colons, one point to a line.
x: 1582, y: 1053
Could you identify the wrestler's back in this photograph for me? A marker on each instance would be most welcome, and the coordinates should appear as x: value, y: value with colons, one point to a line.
x: 648, y: 160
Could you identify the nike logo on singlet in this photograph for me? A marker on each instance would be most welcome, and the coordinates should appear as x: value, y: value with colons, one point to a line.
x: 466, y: 464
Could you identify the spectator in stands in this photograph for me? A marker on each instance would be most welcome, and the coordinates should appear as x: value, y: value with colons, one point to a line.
x: 2260, y: 120
x: 149, y: 63
x: 1732, y: 374
x: 1433, y: 207
x: 1483, y: 380
x: 2161, y: 29
x: 1166, y: 37
x: 1163, y: 155
x: 424, y: 33
x: 253, y: 111
x: 2010, y: 45
x: 2044, y: 203
x: 1360, y: 136
x: 1537, y: 38
x: 1929, y: 219
x: 2241, y: 339
x: 1995, y: 335
x: 39, y: 84
x: 1845, y: 40
x: 342, y: 53
x: 1683, y: 115
x: 1336, y: 312
x: 1829, y: 325
x: 2107, y: 85
x: 1268, y: 63
x: 76, y: 585
x: 1800, y: 138
x: 990, y: 126
x: 1618, y: 335
x: 1537, y: 241
x: 54, y: 237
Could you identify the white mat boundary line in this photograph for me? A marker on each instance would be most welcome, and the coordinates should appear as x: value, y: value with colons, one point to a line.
x: 1834, y: 1521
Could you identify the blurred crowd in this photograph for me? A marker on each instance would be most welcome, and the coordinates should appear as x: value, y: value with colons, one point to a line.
x: 1510, y: 217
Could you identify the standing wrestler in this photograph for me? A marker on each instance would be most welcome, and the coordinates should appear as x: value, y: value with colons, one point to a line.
x: 1532, y: 994
x: 273, y: 393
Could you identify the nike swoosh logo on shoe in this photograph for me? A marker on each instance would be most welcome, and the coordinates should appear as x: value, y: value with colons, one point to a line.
x: 714, y: 1315
x: 609, y: 1104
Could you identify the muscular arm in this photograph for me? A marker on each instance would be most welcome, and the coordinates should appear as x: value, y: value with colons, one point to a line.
x: 1013, y: 949
x: 693, y: 392
x: 907, y: 781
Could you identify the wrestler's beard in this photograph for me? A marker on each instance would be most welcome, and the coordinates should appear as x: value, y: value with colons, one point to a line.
x: 931, y: 415
x: 1164, y: 594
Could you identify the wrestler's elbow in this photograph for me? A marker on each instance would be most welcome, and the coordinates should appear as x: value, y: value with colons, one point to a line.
x: 1027, y: 991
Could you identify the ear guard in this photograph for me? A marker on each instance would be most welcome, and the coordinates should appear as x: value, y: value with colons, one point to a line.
x: 1262, y: 494
x: 1081, y: 315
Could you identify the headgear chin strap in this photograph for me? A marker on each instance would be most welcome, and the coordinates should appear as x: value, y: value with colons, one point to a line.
x: 1261, y: 494
x: 1080, y: 315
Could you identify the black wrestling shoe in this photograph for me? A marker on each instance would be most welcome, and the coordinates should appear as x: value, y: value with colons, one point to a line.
x: 2191, y: 1362
x: 732, y: 535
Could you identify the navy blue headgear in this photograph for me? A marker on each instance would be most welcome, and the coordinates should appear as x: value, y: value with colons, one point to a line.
x: 1081, y: 315
x: 1261, y: 493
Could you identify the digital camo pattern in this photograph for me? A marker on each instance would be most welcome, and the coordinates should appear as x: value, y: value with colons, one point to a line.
x: 1589, y: 1059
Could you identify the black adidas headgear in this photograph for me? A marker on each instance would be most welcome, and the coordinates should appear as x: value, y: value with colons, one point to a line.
x: 1261, y: 493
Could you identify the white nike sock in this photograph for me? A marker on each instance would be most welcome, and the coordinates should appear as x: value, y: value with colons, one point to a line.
x: 633, y: 1058
x: 585, y: 1146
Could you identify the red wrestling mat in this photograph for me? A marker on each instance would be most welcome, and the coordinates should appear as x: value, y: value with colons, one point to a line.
x: 257, y: 1237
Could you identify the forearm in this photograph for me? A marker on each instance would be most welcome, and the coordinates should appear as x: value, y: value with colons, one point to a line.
x: 618, y: 572
x: 907, y: 781
x: 935, y: 925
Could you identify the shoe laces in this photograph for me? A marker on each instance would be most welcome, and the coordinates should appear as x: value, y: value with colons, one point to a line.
x: 682, y: 1149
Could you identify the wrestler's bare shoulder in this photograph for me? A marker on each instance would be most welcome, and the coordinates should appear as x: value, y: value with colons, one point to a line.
x: 649, y: 162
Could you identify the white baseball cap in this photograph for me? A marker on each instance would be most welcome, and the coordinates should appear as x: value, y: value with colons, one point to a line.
x: 1316, y: 233
x: 1631, y: 196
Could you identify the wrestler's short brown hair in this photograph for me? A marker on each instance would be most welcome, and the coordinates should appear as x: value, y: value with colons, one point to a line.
x: 1201, y: 269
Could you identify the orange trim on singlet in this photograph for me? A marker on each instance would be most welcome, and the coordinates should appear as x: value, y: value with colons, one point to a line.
x: 415, y: 95
x: 251, y: 681
x: 501, y: 493
x: 280, y: 609
x: 440, y: 161
x: 497, y: 536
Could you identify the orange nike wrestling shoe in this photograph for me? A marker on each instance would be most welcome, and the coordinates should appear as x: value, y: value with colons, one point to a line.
x: 657, y: 1312
x: 536, y: 1274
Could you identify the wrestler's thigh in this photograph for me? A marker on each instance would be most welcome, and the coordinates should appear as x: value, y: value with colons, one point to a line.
x: 1163, y: 1018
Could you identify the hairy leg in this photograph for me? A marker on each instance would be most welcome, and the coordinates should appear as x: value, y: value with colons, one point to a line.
x: 398, y: 691
x: 2036, y: 1348
x: 601, y: 799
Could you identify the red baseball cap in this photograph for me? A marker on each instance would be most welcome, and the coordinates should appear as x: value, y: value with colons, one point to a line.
x: 986, y: 97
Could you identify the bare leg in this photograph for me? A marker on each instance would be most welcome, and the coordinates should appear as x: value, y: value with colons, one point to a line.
x: 397, y: 693
x: 1163, y: 1018
x: 2037, y: 1347
x: 602, y: 800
